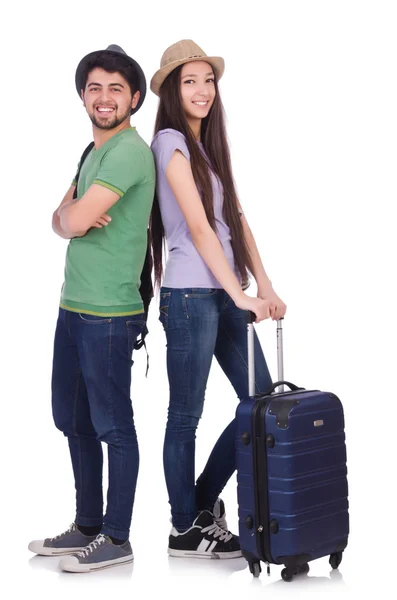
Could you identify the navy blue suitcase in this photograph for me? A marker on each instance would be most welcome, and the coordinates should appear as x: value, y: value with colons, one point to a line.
x: 291, y: 474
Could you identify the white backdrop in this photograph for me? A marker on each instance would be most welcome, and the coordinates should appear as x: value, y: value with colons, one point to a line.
x: 311, y: 100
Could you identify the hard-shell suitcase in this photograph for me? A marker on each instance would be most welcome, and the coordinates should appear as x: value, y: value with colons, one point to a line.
x: 291, y: 474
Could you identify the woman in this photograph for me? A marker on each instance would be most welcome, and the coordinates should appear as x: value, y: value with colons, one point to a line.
x: 202, y: 303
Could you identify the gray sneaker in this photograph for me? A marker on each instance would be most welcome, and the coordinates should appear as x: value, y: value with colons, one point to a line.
x: 67, y: 542
x: 100, y: 554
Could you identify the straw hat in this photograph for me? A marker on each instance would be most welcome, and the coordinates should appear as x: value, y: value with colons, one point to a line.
x: 180, y: 53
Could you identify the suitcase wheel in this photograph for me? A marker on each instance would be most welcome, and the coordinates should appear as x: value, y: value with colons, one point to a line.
x: 255, y: 569
x: 287, y: 574
x: 302, y: 569
x: 335, y: 560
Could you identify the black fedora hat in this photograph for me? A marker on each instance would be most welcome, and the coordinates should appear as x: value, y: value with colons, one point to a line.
x: 114, y: 50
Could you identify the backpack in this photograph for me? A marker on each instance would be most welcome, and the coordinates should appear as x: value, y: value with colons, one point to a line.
x: 146, y: 287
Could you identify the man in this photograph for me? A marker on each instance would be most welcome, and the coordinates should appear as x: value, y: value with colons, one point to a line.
x: 101, y: 312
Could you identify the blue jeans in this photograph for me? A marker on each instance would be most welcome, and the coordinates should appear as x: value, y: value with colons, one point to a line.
x: 199, y: 324
x: 91, y: 404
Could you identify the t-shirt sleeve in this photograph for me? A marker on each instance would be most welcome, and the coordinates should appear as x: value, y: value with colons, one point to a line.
x: 165, y: 146
x: 121, y: 168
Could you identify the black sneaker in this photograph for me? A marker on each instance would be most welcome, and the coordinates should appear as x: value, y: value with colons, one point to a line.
x: 205, y: 539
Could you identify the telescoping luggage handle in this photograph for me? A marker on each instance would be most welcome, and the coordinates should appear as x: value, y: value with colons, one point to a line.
x: 280, y: 358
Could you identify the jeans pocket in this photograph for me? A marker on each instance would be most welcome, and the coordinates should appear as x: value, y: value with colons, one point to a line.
x: 165, y: 298
x: 201, y: 293
x: 200, y: 301
x: 94, y: 319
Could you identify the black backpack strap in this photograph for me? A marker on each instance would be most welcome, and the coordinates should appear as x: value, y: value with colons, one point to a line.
x: 146, y: 288
x: 82, y: 159
x: 146, y: 291
x: 141, y: 342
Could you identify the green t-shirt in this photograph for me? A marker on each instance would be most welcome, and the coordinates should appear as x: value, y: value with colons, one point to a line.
x: 103, y: 268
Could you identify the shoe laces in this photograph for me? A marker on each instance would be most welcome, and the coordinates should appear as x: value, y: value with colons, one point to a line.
x: 221, y: 522
x: 218, y: 518
x: 61, y: 535
x: 100, y: 539
x: 217, y: 532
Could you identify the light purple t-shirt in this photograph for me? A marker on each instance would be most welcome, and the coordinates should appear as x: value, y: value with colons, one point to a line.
x: 185, y: 267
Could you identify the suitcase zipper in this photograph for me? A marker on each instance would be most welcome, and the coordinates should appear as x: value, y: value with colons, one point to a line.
x: 260, y: 468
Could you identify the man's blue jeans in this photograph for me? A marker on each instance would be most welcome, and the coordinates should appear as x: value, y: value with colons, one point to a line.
x: 91, y: 404
x: 199, y: 324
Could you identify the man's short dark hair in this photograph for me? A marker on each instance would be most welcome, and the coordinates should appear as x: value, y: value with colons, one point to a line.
x: 112, y: 64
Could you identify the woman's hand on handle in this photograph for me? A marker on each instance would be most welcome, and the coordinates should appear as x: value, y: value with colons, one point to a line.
x: 260, y: 307
x: 276, y: 305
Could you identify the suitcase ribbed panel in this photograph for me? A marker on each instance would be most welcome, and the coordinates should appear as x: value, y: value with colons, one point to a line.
x: 307, y: 484
x: 245, y: 478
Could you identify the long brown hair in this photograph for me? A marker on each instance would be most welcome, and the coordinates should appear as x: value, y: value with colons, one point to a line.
x: 170, y: 114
